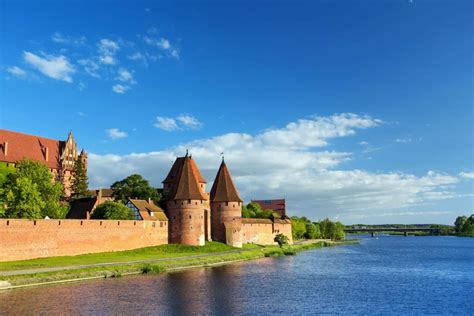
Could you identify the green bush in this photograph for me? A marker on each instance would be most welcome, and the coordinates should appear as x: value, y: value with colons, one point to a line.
x: 112, y: 210
x: 152, y: 269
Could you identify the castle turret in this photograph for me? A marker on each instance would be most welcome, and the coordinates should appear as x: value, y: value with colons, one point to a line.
x: 67, y: 159
x: 226, y: 209
x: 83, y: 157
x: 186, y: 203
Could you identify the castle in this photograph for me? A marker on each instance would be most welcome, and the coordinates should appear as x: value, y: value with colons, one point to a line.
x: 192, y: 215
x: 195, y: 216
x: 58, y: 156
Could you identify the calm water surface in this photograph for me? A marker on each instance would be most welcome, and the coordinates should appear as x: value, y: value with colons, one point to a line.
x: 391, y: 275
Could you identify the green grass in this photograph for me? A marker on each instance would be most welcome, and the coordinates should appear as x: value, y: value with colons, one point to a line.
x: 248, y: 252
x: 148, y: 253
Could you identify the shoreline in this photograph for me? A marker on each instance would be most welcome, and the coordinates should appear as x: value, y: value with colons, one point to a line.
x: 163, y: 265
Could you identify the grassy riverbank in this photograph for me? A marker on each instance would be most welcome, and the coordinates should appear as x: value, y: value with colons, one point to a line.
x: 157, y: 259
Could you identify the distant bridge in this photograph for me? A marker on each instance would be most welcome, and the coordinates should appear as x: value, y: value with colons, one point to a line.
x: 405, y: 231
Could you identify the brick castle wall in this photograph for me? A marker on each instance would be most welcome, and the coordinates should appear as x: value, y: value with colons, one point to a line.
x: 27, y: 239
x: 264, y: 233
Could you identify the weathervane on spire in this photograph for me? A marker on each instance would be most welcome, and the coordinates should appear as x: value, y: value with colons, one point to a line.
x: 186, y: 152
x: 222, y: 154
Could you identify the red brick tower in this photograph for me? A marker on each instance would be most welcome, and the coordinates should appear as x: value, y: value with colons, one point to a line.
x: 186, y: 201
x: 226, y: 209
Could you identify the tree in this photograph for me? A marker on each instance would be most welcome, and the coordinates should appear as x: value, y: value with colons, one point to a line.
x: 246, y: 213
x: 265, y: 214
x: 459, y: 223
x: 112, y: 210
x: 16, y: 192
x: 312, y: 231
x: 468, y: 226
x: 281, y: 240
x: 79, y: 184
x: 134, y: 187
x: 298, y: 228
x: 24, y: 200
x: 253, y: 210
x: 339, y: 233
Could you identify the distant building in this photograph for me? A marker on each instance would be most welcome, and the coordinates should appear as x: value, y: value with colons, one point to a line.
x: 103, y: 195
x: 59, y: 156
x: 146, y: 210
x: 275, y: 205
x: 82, y: 208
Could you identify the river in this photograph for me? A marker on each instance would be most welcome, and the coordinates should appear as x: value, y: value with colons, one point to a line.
x: 389, y: 275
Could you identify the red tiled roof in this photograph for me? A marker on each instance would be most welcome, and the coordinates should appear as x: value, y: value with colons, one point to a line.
x: 178, y: 164
x: 223, y: 188
x: 32, y: 147
x: 184, y: 177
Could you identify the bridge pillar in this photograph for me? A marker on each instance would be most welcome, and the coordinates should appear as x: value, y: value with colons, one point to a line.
x: 405, y: 233
x: 373, y: 234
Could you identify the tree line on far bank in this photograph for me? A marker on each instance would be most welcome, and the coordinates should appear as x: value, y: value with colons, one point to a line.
x: 464, y: 225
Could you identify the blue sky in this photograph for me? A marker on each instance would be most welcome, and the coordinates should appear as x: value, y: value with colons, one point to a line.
x: 361, y: 111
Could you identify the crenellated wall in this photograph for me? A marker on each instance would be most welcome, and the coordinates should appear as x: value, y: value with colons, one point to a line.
x: 26, y: 239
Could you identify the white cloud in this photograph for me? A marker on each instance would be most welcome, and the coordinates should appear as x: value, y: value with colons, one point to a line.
x: 403, y: 140
x: 64, y: 39
x: 16, y: 71
x: 467, y: 175
x: 125, y: 76
x: 269, y: 165
x: 164, y: 45
x: 107, y: 49
x: 91, y: 67
x: 408, y: 140
x: 116, y: 133
x: 56, y: 67
x: 137, y: 56
x: 120, y: 89
x: 363, y: 143
x: 166, y: 123
x: 181, y: 122
x: 189, y: 121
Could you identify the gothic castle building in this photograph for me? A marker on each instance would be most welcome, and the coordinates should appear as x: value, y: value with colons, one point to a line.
x: 59, y: 156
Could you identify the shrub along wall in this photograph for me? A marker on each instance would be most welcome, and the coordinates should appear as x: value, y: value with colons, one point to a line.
x: 26, y: 239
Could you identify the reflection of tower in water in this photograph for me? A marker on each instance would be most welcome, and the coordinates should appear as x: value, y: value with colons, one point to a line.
x: 224, y: 288
x: 202, y: 291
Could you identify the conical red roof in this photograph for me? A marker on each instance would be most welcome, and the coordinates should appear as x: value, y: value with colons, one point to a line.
x: 223, y: 189
x: 184, y: 178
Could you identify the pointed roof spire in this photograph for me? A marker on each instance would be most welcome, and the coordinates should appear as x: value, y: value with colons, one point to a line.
x: 187, y: 186
x: 223, y: 189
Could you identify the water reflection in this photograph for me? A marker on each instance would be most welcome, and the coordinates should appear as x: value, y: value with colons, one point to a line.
x: 432, y: 275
